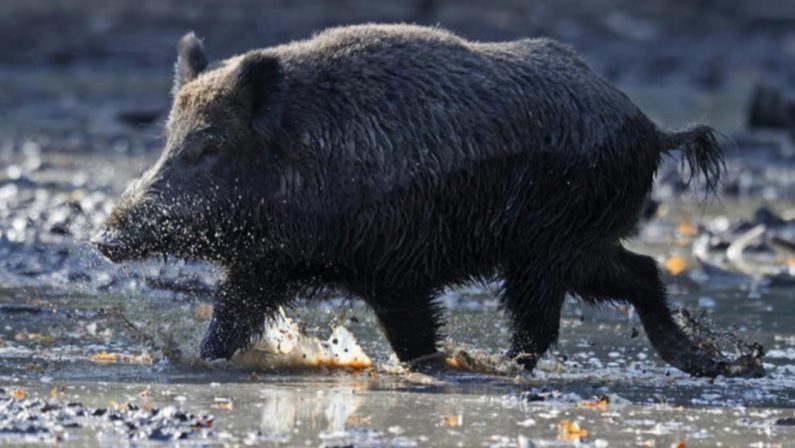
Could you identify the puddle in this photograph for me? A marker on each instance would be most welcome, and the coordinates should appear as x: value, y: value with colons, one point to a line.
x: 599, y: 386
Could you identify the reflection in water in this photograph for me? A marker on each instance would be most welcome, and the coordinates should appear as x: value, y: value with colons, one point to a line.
x: 326, y: 410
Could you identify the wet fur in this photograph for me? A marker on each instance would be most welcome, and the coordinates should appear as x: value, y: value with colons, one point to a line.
x: 392, y: 161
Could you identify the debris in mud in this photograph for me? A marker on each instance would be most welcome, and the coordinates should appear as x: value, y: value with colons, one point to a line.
x: 745, y: 251
x: 36, y: 420
x: 463, y: 358
x: 33, y: 420
x: 39, y: 338
x: 741, y: 358
x: 20, y: 308
x: 786, y: 421
x: 123, y: 358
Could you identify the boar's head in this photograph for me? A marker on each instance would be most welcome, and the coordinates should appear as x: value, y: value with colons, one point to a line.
x: 201, y: 196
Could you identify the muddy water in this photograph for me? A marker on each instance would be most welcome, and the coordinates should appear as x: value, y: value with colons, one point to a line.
x: 76, y: 329
x: 597, y: 356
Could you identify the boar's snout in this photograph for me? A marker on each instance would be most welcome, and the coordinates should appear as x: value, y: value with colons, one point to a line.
x: 127, y: 233
x: 115, y: 247
x: 109, y: 244
x: 154, y: 217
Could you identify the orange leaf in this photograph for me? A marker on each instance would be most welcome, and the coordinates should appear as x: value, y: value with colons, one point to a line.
x: 223, y: 406
x: 19, y: 393
x: 570, y: 431
x: 597, y: 403
x: 105, y: 357
x: 685, y: 228
x: 357, y: 420
x: 676, y: 264
x: 453, y: 420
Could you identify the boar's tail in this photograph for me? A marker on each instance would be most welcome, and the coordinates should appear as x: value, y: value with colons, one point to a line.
x: 701, y: 152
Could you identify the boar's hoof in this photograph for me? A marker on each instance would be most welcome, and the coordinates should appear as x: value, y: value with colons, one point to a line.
x: 527, y: 360
x: 707, y: 367
x: 433, y: 362
x: 747, y: 366
x: 214, y: 347
x: 228, y: 333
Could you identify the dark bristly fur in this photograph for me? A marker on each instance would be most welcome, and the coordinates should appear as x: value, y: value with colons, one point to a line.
x: 392, y: 161
x: 701, y: 152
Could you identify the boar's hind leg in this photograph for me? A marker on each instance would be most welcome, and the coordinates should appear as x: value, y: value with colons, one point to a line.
x: 533, y: 303
x: 635, y: 278
x: 410, y: 321
x: 238, y: 315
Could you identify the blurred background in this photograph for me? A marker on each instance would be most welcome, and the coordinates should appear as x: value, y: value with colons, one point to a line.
x: 83, y: 74
x: 84, y: 91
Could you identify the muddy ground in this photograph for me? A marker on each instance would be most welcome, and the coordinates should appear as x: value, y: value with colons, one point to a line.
x: 87, y: 348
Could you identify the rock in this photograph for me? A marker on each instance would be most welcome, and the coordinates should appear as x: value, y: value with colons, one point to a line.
x: 786, y: 421
x: 771, y: 107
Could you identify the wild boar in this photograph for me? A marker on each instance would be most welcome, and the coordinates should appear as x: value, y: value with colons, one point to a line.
x: 392, y: 161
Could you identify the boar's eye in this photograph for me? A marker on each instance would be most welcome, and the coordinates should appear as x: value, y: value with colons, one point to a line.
x: 203, y: 145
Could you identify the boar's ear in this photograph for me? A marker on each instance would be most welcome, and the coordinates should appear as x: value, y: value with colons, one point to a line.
x: 257, y: 83
x: 191, y: 61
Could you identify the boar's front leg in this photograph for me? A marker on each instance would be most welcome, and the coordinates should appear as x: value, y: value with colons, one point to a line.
x: 534, y: 303
x: 410, y: 321
x: 239, y: 313
x: 635, y: 278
